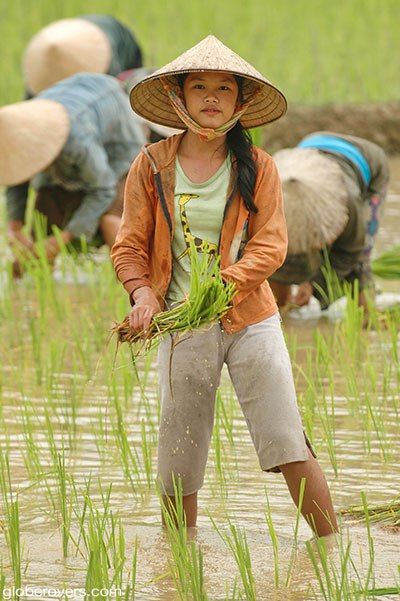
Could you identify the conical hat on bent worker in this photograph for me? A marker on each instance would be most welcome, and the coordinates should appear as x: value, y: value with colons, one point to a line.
x: 32, y: 135
x: 129, y: 80
x: 315, y: 198
x: 62, y: 49
x: 150, y: 99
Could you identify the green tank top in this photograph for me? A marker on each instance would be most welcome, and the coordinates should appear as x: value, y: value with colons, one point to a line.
x: 198, y: 214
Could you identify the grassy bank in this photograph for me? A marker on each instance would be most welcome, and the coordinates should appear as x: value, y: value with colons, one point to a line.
x: 317, y: 51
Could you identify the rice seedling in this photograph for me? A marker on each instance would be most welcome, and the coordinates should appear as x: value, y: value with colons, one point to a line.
x: 130, y: 589
x: 128, y: 453
x: 99, y: 561
x: 11, y: 521
x: 146, y: 448
x: 296, y: 531
x: 2, y: 582
x: 382, y: 592
x: 385, y: 514
x: 187, y: 567
x: 326, y: 413
x: 310, y: 68
x: 274, y: 540
x: 208, y: 299
x: 64, y: 505
x: 33, y: 452
x: 237, y: 543
x: 345, y: 581
x: 387, y: 265
x: 36, y: 348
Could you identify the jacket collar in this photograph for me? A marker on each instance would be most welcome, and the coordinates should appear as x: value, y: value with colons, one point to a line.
x: 162, y: 153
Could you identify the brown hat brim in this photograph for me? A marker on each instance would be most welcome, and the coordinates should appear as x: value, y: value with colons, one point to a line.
x: 150, y: 100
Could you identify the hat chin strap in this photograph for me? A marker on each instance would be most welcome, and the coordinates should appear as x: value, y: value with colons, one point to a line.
x: 205, y: 133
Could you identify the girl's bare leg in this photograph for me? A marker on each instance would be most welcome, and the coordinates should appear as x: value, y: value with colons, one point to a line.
x: 189, y: 507
x: 317, y: 506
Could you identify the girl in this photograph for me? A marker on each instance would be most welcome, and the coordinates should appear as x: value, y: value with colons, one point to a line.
x: 210, y: 185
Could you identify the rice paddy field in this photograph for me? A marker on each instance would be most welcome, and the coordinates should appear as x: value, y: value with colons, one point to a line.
x: 317, y: 51
x: 78, y: 435
x: 79, y: 511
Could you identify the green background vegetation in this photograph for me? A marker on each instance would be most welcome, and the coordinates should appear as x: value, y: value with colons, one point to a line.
x: 318, y: 51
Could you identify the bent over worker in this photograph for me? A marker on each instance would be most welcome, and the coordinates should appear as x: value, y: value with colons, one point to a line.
x: 334, y: 186
x: 90, y: 43
x: 74, y: 144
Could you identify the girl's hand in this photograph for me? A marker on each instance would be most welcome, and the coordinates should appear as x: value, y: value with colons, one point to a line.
x: 146, y: 305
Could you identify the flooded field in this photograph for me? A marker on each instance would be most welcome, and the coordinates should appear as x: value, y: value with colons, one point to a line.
x: 78, y: 442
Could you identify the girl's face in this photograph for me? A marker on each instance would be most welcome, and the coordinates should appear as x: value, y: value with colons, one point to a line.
x: 210, y: 98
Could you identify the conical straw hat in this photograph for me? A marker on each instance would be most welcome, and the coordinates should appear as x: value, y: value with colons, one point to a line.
x: 32, y: 135
x: 131, y: 78
x: 62, y: 49
x: 150, y: 100
x: 315, y: 198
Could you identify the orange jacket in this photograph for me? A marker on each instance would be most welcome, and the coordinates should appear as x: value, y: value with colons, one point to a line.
x: 252, y: 245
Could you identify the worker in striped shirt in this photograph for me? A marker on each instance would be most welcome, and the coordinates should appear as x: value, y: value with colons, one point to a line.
x: 89, y: 43
x: 73, y: 145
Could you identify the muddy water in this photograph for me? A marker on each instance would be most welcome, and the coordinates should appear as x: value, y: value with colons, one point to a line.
x: 243, y: 498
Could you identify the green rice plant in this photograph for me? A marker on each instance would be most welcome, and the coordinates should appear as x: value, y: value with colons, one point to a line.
x: 36, y: 336
x: 187, y: 567
x: 65, y: 502
x: 102, y: 535
x: 385, y: 514
x: 296, y: 531
x: 130, y: 589
x: 32, y: 456
x: 382, y: 592
x: 11, y: 520
x: 343, y: 581
x: 350, y: 328
x: 326, y: 413
x: 310, y: 68
x: 334, y: 286
x: 334, y: 583
x: 2, y: 583
x: 377, y: 417
x: 387, y: 265
x: 274, y: 540
x: 238, y: 545
x: 54, y: 364
x: 146, y: 449
x: 128, y: 453
x: 208, y: 299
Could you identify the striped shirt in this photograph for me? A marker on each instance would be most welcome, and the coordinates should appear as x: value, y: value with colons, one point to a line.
x: 105, y: 136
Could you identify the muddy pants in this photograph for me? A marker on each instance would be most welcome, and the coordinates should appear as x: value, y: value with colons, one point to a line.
x: 259, y: 366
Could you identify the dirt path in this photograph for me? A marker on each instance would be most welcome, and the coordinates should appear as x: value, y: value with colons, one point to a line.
x: 379, y: 123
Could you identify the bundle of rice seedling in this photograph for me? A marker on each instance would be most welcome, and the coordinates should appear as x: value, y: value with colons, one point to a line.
x: 387, y: 514
x: 208, y: 299
x: 387, y: 266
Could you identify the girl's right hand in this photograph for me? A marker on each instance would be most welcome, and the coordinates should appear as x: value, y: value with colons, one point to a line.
x: 146, y: 305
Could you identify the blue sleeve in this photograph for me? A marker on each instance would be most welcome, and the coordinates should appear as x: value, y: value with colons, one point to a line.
x: 100, y: 184
x: 16, y: 199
